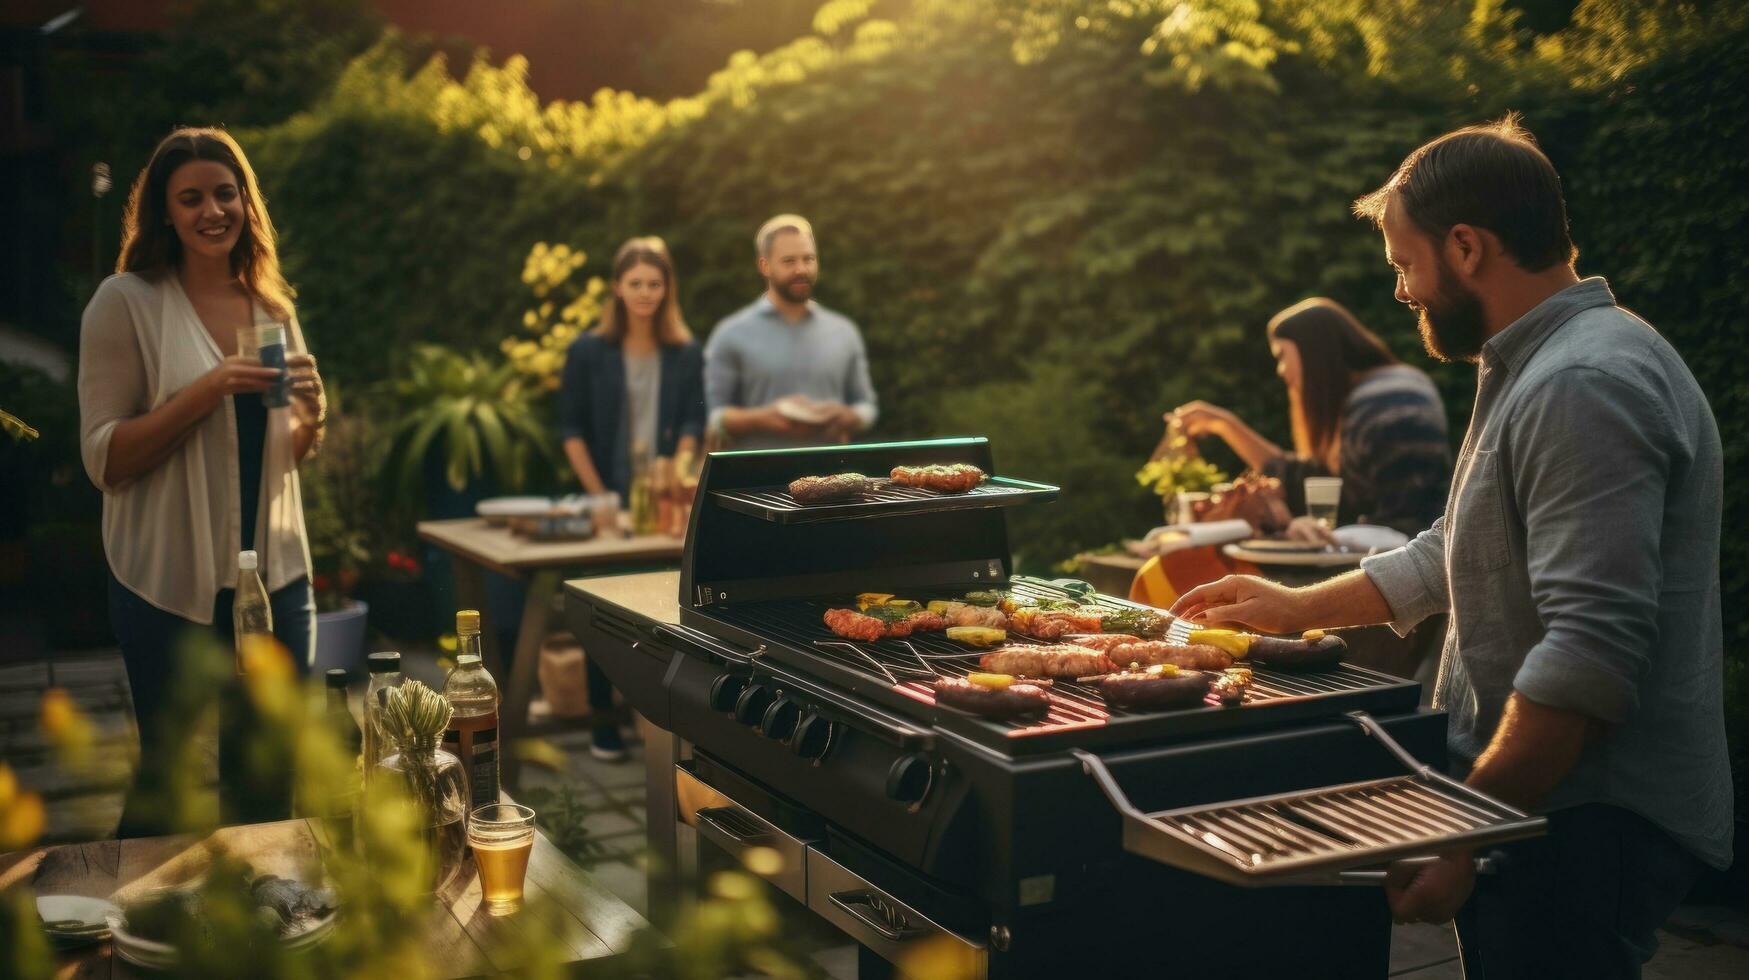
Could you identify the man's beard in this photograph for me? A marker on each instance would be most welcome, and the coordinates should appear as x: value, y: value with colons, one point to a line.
x: 797, y: 290
x: 1452, y: 322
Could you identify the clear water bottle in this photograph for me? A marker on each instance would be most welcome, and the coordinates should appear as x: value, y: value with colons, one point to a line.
x: 385, y: 672
x: 251, y: 613
x: 473, y: 729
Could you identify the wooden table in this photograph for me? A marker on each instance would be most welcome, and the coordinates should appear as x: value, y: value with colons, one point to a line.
x: 479, y: 547
x: 461, y: 939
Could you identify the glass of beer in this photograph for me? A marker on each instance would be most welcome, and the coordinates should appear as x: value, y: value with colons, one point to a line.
x: 502, y: 836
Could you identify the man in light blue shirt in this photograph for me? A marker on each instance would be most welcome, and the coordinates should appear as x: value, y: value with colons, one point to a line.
x: 785, y: 371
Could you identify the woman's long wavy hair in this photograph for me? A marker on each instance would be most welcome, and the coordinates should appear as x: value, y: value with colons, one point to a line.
x: 1335, y: 348
x: 670, y: 324
x: 150, y: 246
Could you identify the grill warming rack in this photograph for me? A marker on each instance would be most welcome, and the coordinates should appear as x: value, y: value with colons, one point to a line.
x: 884, y: 499
x: 1314, y: 837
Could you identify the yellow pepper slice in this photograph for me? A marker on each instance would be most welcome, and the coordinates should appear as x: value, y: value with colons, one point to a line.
x: 867, y: 599
x: 1235, y: 643
x: 994, y: 682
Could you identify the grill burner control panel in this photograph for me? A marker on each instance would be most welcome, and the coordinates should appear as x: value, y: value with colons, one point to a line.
x: 773, y: 715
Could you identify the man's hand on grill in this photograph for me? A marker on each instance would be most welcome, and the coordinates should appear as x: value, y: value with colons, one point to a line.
x: 1244, y: 600
x: 1430, y: 892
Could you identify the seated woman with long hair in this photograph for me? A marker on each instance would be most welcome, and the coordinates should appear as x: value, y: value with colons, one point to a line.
x: 632, y: 388
x: 1357, y: 413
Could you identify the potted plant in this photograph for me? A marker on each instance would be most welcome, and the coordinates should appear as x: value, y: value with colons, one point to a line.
x: 1179, y: 475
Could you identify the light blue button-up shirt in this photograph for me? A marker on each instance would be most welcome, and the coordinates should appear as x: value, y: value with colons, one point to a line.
x: 1579, y: 557
x: 755, y: 356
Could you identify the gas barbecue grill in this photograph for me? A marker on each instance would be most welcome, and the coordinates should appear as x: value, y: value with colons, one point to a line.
x: 1136, y: 842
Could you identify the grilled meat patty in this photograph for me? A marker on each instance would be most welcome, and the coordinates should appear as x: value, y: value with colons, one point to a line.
x: 1054, y: 624
x: 853, y: 625
x: 1058, y: 660
x: 827, y: 489
x: 1014, y: 701
x: 952, y: 478
x: 1150, y: 652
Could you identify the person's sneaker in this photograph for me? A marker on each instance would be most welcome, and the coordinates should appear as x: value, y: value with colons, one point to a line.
x: 607, y: 745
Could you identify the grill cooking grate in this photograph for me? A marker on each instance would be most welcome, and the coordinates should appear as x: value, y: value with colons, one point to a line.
x: 910, y: 665
x: 885, y: 499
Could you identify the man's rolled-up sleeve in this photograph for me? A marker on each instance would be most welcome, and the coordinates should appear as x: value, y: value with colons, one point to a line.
x: 859, y: 392
x: 1591, y: 456
x: 1412, y: 578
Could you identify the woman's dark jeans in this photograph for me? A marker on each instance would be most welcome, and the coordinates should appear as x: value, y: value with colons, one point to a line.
x: 150, y: 642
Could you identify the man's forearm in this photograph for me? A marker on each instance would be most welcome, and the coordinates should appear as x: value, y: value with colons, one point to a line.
x: 1533, y: 749
x: 1350, y: 599
x: 740, y: 421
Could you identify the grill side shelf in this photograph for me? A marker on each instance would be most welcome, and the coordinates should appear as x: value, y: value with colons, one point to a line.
x: 886, y: 500
x: 1313, y: 836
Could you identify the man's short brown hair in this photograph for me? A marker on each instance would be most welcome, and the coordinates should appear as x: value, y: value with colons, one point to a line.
x: 769, y: 231
x: 1490, y: 176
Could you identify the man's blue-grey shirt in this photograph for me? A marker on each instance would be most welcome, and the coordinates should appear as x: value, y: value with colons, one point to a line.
x: 1579, y: 557
x: 755, y: 356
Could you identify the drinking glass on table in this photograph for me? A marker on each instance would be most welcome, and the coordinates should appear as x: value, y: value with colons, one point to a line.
x: 502, y: 836
x: 1323, y: 494
x: 264, y: 341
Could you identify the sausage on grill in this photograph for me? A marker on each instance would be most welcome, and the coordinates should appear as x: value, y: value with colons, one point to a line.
x: 1017, y: 700
x: 1147, y: 653
x: 827, y: 489
x: 1155, y: 690
x: 952, y: 478
x: 1060, y: 660
x: 1317, y: 649
x: 853, y: 625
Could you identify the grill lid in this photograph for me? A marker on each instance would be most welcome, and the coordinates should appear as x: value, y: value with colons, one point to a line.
x: 1313, y: 836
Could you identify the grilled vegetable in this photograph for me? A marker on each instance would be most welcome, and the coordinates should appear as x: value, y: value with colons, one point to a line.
x: 994, y: 682
x: 1236, y: 643
x: 977, y: 636
x: 1144, y: 623
x: 867, y: 599
x: 987, y: 598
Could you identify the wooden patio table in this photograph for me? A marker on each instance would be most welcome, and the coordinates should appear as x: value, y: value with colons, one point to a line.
x: 460, y: 937
x: 478, y: 547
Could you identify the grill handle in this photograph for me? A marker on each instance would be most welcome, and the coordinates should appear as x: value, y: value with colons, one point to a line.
x: 1371, y: 726
x: 681, y: 634
x: 1486, y: 864
x: 867, y: 908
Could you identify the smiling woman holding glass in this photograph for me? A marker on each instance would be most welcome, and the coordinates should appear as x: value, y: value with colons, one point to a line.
x: 186, y: 430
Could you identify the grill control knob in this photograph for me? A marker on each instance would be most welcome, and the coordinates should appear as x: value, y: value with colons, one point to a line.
x: 813, y: 737
x: 750, y: 706
x: 780, y: 719
x: 909, y: 778
x: 724, y: 691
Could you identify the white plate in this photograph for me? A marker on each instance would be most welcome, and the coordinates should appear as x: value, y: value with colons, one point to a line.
x: 162, y: 956
x: 799, y: 408
x: 87, y: 911
x: 504, y: 507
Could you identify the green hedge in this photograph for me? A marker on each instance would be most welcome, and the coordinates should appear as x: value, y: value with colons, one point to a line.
x: 1053, y: 219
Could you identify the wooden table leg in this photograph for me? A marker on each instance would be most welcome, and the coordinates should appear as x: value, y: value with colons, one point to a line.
x: 524, y: 663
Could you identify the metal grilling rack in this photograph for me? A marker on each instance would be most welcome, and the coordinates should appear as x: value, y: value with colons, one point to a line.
x: 885, y: 499
x: 1314, y: 836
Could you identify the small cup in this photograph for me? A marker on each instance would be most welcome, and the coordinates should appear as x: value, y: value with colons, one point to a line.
x: 1323, y: 498
x: 502, y: 837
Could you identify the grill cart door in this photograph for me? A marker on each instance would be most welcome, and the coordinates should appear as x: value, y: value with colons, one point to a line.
x: 1324, y: 835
